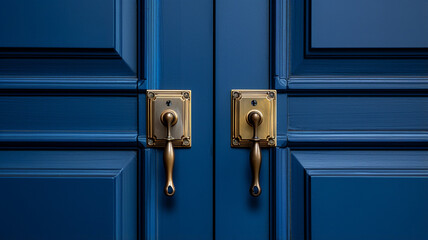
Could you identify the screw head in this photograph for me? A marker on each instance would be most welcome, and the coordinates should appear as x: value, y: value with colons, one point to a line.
x: 150, y: 94
x: 235, y: 141
x: 236, y: 94
x: 271, y: 94
x: 271, y: 142
x: 186, y: 142
x: 150, y: 141
x: 186, y: 95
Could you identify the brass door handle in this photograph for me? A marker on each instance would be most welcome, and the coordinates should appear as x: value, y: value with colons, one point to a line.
x: 169, y: 110
x: 255, y: 118
x: 253, y: 126
x: 169, y: 118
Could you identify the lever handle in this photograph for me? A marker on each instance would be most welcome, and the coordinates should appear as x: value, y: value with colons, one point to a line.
x: 255, y: 118
x: 169, y: 119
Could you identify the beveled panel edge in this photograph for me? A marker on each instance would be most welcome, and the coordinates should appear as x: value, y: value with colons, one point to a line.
x: 67, y: 139
x: 350, y: 83
x: 75, y: 84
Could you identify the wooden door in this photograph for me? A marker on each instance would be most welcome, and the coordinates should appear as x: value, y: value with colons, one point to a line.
x: 353, y: 79
x: 73, y: 159
x: 351, y: 160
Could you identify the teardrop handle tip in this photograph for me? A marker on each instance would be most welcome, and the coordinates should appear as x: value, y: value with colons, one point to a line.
x: 169, y: 189
x: 255, y: 190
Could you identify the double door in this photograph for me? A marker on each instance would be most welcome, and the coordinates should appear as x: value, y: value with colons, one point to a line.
x: 350, y: 160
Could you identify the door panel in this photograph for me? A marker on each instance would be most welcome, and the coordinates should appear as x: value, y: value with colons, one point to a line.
x: 68, y: 38
x: 65, y: 24
x: 69, y: 113
x: 349, y: 60
x: 81, y: 120
x: 368, y: 24
x: 68, y: 81
x: 68, y: 194
x: 358, y: 194
x: 354, y: 112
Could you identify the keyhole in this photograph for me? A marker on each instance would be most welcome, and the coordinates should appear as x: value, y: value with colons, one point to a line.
x: 168, y: 103
x: 254, y: 102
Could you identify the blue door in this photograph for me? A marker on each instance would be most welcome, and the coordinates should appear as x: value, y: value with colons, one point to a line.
x: 351, y: 160
x: 74, y: 162
x: 353, y: 80
x: 352, y: 119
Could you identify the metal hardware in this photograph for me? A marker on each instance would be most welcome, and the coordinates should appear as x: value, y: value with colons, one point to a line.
x: 254, y: 126
x: 255, y: 118
x: 169, y: 119
x: 169, y: 126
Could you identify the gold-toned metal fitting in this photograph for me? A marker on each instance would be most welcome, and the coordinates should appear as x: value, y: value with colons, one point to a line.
x: 186, y: 141
x: 236, y: 94
x: 150, y: 94
x: 235, y: 141
x: 177, y: 103
x: 246, y: 102
x: 186, y: 95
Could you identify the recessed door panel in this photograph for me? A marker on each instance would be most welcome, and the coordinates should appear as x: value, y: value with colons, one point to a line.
x: 58, y: 24
x: 68, y: 194
x: 374, y: 205
x: 377, y: 194
x: 368, y: 23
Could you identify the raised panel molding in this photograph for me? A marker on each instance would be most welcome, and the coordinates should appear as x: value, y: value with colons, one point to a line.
x: 76, y: 120
x: 68, y: 194
x: 71, y: 38
x: 368, y: 24
x: 351, y: 118
x: 314, y: 185
x: 330, y: 69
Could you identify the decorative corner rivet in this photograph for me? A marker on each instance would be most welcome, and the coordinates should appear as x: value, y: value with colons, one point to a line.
x: 236, y: 94
x: 186, y: 95
x: 271, y: 95
x: 150, y: 141
x: 186, y: 142
x: 150, y: 94
x: 271, y: 142
x: 235, y: 142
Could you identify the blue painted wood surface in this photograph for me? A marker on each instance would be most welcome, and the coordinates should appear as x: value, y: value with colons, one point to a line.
x: 369, y: 24
x: 65, y: 24
x: 358, y: 113
x: 71, y: 38
x: 68, y: 81
x: 180, y: 50
x: 241, y: 62
x: 364, y: 194
x: 294, y: 56
x: 68, y: 194
x: 352, y: 120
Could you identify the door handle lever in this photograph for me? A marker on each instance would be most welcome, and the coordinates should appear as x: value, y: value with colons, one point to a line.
x: 255, y: 118
x: 169, y: 118
x: 254, y: 126
x: 168, y: 127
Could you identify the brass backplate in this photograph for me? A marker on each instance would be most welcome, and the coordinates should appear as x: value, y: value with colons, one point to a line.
x: 245, y: 101
x: 178, y: 101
